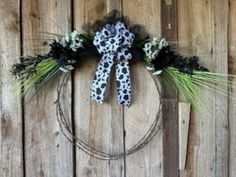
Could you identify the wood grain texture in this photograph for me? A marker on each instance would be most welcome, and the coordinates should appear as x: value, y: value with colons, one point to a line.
x: 169, y: 29
x: 47, y: 151
x: 11, y: 147
x: 220, y: 59
x: 232, y: 103
x: 101, y: 126
x: 141, y: 114
x: 203, y: 29
x: 195, y: 34
x: 184, y: 118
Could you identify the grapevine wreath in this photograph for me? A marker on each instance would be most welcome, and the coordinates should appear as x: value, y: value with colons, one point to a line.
x: 117, y: 45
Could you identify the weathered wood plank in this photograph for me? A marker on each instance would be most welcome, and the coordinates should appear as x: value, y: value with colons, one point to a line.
x: 141, y: 114
x: 220, y: 59
x: 195, y: 33
x: 232, y: 103
x: 11, y: 147
x: 184, y: 117
x: 47, y: 151
x: 170, y: 108
x: 187, y: 36
x: 101, y: 126
x: 203, y: 29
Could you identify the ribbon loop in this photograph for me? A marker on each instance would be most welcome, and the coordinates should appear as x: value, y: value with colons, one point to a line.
x: 112, y: 43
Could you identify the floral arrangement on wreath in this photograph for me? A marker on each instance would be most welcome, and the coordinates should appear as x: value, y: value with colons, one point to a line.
x: 117, y: 45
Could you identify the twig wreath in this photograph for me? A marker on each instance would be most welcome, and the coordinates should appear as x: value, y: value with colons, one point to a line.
x: 116, y: 45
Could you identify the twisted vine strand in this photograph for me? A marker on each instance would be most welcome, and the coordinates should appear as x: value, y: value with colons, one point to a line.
x: 93, y: 152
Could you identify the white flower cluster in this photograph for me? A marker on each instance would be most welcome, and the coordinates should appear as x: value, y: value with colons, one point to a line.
x: 153, y: 47
x: 72, y: 40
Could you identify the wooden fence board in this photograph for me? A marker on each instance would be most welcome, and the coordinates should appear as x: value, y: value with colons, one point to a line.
x: 11, y: 147
x: 47, y: 152
x: 232, y: 103
x: 186, y: 43
x: 196, y: 35
x: 184, y: 118
x: 220, y: 61
x: 169, y: 29
x: 141, y: 114
x: 101, y: 126
x: 202, y: 28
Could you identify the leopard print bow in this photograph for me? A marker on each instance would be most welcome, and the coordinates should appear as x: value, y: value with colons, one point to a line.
x: 112, y: 43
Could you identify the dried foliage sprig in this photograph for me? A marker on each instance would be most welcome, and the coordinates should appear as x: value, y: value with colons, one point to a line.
x: 34, y: 72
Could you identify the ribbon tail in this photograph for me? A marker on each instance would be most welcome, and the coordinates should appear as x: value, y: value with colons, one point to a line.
x: 101, y: 78
x: 123, y: 82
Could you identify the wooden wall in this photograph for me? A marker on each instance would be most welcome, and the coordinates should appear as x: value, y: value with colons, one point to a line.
x: 31, y: 143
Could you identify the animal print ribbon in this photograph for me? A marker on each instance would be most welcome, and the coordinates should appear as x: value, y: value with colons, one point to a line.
x: 112, y: 43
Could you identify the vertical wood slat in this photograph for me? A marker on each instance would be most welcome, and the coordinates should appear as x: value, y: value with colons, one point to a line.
x: 11, y: 147
x: 184, y: 118
x: 220, y: 56
x: 232, y: 103
x: 203, y: 25
x: 170, y: 108
x: 47, y: 151
x: 101, y: 126
x: 185, y: 42
x: 195, y: 34
x: 141, y: 114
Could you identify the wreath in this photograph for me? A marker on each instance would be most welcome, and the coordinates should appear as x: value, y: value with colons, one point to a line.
x: 117, y: 45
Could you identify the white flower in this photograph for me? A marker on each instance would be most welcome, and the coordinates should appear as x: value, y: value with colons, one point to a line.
x: 162, y: 43
x: 66, y: 38
x: 155, y: 40
x: 72, y: 40
x: 74, y: 35
x: 63, y: 42
x: 153, y: 47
